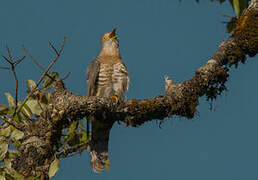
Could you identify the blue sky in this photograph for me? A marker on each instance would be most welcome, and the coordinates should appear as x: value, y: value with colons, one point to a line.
x: 157, y: 37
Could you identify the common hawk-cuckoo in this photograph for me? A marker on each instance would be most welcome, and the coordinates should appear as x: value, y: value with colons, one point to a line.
x: 107, y: 76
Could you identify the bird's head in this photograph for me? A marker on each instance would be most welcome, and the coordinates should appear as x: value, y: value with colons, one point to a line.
x: 110, y: 43
x: 109, y: 36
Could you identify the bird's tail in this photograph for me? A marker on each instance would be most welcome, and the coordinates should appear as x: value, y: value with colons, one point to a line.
x: 99, y: 160
x: 99, y: 146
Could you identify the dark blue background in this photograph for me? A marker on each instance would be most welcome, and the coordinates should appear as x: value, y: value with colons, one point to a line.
x: 157, y: 37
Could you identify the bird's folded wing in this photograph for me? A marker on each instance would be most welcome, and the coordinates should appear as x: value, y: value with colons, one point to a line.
x: 92, y: 75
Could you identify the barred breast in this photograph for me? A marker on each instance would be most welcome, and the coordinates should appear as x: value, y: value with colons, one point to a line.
x: 112, y: 80
x: 120, y: 80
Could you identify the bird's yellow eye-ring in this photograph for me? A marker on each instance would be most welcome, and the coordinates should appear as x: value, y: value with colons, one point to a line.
x: 104, y: 38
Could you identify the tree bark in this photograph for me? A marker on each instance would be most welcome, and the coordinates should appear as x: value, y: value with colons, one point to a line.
x: 42, y: 137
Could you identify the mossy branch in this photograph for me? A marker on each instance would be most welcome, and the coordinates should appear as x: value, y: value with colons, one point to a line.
x: 43, y: 137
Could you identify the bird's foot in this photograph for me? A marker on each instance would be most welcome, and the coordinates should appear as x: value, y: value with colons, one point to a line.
x: 115, y: 98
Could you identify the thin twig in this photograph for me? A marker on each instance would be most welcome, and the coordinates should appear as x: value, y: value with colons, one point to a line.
x: 53, y: 47
x: 12, y: 63
x: 12, y: 68
x: 19, y: 60
x: 68, y: 152
x: 33, y: 59
x: 227, y: 16
x: 43, y: 75
x: 40, y: 105
x: 14, y: 124
x: 87, y: 128
x: 5, y: 58
x: 9, y: 53
x: 16, y: 90
x: 7, y: 68
x: 66, y: 76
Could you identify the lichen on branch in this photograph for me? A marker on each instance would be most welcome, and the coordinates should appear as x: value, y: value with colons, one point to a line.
x: 53, y: 134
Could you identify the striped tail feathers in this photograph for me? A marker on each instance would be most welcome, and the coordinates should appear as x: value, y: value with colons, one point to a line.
x: 99, y: 159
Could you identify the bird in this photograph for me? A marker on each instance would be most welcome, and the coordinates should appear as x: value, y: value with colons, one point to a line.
x: 173, y: 89
x: 107, y: 76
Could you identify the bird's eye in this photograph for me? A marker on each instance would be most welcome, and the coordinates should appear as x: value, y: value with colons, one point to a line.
x: 104, y: 38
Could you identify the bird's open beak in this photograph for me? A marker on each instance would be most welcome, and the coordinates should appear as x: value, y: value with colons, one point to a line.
x: 113, y: 35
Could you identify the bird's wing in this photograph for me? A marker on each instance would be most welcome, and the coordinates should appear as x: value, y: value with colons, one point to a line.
x: 92, y: 73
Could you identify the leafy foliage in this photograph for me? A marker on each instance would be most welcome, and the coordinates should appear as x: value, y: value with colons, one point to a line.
x: 11, y: 138
x: 53, y: 168
x: 73, y: 138
x: 49, y: 80
x: 238, y: 6
x: 76, y: 134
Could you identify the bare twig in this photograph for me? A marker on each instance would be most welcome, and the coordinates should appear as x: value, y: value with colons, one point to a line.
x: 7, y: 68
x: 87, y: 128
x: 9, y: 53
x: 5, y: 58
x: 43, y: 75
x: 13, y: 123
x: 33, y: 59
x: 66, y: 76
x: 53, y: 47
x: 227, y: 16
x: 40, y: 105
x: 179, y: 99
x: 16, y: 90
x: 13, y: 64
x: 19, y: 60
x: 68, y: 152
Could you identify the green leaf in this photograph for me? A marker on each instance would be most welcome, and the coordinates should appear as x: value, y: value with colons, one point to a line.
x: 72, y: 128
x: 17, y: 135
x: 10, y: 99
x: 236, y: 5
x: 2, y: 177
x: 239, y: 6
x: 3, y: 148
x: 107, y: 165
x: 80, y: 123
x: 16, y: 118
x: 84, y: 137
x: 48, y: 82
x: 48, y: 97
x: 8, y: 165
x: 25, y: 110
x: 31, y: 84
x: 33, y: 178
x: 5, y: 131
x: 54, y: 166
x: 73, y: 139
x: 45, y: 99
x: 18, y: 176
x: 17, y: 144
x: 72, y: 136
x: 35, y: 107
x: 11, y: 154
x: 3, y: 109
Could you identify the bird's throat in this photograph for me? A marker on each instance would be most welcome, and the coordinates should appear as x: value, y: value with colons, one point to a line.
x: 110, y: 50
